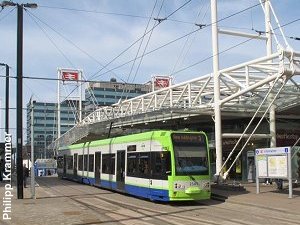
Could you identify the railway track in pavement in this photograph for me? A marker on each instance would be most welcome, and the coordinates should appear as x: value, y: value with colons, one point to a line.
x: 118, y: 208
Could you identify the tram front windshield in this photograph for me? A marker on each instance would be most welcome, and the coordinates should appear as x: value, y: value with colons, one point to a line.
x: 190, y: 154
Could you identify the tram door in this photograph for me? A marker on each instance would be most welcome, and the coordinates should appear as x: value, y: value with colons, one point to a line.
x: 75, y: 165
x: 97, y: 168
x: 120, y: 170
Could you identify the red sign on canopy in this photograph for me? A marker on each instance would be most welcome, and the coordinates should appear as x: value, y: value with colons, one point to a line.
x: 162, y: 82
x: 70, y: 75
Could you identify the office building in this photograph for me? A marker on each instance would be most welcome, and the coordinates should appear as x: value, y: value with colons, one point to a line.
x: 45, y: 123
x: 106, y: 93
x: 96, y: 94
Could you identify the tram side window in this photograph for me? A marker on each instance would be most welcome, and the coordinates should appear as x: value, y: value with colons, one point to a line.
x: 85, y: 165
x: 161, y: 164
x: 144, y: 165
x: 108, y: 163
x: 80, y: 162
x: 132, y: 164
x: 69, y: 162
x: 91, y: 163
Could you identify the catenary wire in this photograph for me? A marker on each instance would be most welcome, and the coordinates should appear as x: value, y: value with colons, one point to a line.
x: 139, y: 48
x: 94, y: 11
x: 8, y: 13
x: 70, y: 103
x: 229, y: 16
x: 147, y: 53
x: 180, y: 56
x: 210, y: 57
x: 133, y: 44
x: 210, y: 24
x: 125, y: 50
x: 148, y: 41
x: 71, y: 42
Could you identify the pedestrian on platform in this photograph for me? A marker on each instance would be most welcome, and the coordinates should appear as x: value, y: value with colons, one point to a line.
x: 279, y: 183
x: 25, y: 175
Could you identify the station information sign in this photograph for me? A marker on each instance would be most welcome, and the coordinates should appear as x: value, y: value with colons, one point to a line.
x: 274, y: 163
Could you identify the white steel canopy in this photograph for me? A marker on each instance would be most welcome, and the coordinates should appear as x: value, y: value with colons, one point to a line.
x: 243, y: 89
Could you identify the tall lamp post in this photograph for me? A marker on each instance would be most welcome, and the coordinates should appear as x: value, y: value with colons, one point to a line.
x: 20, y: 8
x: 6, y: 97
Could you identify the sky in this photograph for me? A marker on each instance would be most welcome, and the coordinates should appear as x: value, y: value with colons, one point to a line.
x: 103, y: 37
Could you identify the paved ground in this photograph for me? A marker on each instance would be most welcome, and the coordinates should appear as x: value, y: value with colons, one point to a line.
x: 64, y: 202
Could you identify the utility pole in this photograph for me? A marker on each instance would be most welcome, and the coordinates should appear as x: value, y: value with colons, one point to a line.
x: 19, y: 132
x: 6, y: 97
x: 20, y: 103
x: 32, y: 153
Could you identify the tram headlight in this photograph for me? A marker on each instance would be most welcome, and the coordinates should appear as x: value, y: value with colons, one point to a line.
x: 206, y: 185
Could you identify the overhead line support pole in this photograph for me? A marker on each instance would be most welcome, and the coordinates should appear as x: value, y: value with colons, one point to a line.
x: 217, y: 109
x: 20, y: 102
x: 32, y: 175
x: 6, y: 97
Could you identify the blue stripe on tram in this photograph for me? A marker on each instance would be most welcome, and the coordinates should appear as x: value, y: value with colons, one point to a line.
x: 144, y: 192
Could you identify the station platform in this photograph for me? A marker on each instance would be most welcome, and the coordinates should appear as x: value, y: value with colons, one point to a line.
x: 65, y: 202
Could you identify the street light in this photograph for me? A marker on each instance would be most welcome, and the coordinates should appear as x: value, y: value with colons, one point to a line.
x: 26, y: 5
x: 20, y: 8
x: 7, y: 3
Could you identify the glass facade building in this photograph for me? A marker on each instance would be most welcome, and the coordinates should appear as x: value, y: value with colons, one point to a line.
x: 45, y: 124
x: 107, y: 93
x: 96, y: 94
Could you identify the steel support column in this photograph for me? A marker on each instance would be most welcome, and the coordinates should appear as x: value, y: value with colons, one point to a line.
x: 217, y: 109
x: 272, y: 111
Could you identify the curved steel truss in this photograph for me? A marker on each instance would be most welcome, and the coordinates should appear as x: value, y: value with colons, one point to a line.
x: 242, y: 89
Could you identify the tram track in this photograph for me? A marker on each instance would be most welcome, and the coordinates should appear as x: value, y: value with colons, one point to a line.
x: 160, y: 217
x: 123, y: 218
x: 128, y: 213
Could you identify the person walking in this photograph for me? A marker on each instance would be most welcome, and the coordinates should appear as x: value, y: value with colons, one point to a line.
x: 25, y: 175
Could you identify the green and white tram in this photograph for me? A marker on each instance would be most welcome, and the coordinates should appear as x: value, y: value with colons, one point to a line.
x: 159, y: 165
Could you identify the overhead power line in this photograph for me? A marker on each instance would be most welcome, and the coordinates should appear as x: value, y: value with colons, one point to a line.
x: 229, y: 16
x: 110, y: 13
x: 147, y: 53
x: 94, y: 11
x: 132, y: 45
x: 171, y: 41
x: 210, y: 57
x: 129, y: 47
x: 71, y: 42
x: 9, y: 12
x: 50, y: 79
x: 139, y: 48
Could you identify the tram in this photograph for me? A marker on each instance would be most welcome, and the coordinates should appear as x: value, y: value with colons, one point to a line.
x: 158, y: 165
